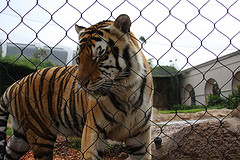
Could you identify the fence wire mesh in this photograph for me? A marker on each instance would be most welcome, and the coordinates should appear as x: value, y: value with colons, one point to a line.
x: 193, y: 51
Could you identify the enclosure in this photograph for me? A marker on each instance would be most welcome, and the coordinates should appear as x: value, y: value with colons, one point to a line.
x: 193, y: 50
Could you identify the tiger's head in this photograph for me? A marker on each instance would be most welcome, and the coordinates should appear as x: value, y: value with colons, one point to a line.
x: 105, y: 53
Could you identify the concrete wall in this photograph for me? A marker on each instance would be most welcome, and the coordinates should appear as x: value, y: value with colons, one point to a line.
x: 225, y: 72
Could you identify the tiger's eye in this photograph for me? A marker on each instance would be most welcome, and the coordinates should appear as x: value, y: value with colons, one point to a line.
x: 104, y: 58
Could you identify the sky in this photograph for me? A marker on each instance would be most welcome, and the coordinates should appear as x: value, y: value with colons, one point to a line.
x: 182, y: 33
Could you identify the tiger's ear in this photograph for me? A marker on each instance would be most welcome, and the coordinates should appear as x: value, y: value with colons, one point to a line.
x: 78, y: 28
x: 123, y: 23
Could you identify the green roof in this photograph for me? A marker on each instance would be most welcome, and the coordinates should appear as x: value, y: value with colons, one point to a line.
x: 164, y: 71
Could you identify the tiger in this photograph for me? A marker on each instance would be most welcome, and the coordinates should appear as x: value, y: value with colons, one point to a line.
x: 106, y: 96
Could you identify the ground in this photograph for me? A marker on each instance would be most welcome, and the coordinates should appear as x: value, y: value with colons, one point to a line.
x: 202, y: 135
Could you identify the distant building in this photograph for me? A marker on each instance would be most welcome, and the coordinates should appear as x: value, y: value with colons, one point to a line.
x: 59, y: 56
x: 197, y: 82
x: 193, y: 86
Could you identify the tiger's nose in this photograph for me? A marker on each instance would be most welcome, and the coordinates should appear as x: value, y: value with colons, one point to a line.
x: 85, y: 83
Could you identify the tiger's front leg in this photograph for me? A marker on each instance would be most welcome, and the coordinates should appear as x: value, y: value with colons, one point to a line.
x: 93, y: 144
x: 42, y: 146
x: 139, y: 146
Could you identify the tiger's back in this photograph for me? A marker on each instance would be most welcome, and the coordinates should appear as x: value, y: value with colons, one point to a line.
x: 46, y: 104
x: 48, y: 99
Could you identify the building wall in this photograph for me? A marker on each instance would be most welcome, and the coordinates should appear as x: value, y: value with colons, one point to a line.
x: 224, y: 71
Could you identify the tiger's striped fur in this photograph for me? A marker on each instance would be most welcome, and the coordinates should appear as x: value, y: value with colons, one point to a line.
x: 108, y: 95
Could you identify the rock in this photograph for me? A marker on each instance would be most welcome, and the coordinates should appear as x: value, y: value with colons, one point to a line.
x: 207, y: 140
x: 236, y: 112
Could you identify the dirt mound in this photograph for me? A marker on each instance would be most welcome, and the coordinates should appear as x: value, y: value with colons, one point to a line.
x: 203, y: 141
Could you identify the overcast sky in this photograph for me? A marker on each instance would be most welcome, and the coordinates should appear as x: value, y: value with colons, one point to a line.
x: 180, y: 31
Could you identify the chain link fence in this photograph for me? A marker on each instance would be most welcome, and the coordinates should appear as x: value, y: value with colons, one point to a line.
x: 193, y: 51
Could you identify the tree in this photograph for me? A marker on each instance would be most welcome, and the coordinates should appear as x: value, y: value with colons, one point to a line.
x: 151, y: 64
x: 143, y: 39
x: 40, y: 54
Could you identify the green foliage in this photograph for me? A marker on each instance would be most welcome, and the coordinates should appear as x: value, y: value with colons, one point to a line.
x: 9, y: 73
x: 13, y: 68
x: 182, y: 111
x: 151, y: 64
x: 185, y: 107
x: 30, y: 63
x: 109, y: 147
x: 214, y: 100
x: 233, y: 100
x: 75, y: 142
x: 194, y: 110
x: 143, y: 39
x: 9, y: 131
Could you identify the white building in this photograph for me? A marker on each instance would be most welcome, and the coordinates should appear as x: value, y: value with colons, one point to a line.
x: 198, y: 81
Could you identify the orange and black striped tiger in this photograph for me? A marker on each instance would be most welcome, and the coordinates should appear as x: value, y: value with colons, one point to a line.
x: 107, y: 95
